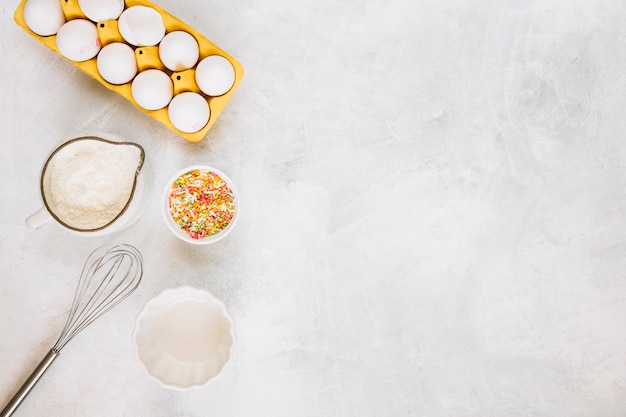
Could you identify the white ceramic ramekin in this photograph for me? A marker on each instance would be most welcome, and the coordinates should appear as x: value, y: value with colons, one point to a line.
x: 184, y: 337
x: 176, y: 229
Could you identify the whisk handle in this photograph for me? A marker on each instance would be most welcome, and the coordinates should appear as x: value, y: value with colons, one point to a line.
x: 29, y: 384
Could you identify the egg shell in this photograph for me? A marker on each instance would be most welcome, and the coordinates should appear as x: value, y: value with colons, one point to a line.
x: 78, y: 40
x: 99, y: 10
x: 152, y: 89
x: 44, y: 17
x: 215, y: 75
x: 179, y: 51
x: 189, y: 112
x: 116, y: 63
x: 141, y: 26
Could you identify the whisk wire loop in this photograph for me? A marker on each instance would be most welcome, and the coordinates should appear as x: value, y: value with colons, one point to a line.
x: 109, y: 275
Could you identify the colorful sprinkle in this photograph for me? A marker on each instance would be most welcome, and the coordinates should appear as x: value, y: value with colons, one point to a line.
x: 201, y: 203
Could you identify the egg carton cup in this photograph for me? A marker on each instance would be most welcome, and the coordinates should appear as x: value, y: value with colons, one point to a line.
x: 147, y: 58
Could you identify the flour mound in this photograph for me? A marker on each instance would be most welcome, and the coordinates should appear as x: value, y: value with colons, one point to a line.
x: 91, y: 182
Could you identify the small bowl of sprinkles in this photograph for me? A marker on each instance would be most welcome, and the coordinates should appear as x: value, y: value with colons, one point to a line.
x: 200, y: 205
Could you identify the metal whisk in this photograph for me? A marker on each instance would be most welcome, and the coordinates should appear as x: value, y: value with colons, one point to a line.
x: 110, y: 274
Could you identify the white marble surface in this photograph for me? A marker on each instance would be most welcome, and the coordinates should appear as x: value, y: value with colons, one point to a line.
x: 434, y: 217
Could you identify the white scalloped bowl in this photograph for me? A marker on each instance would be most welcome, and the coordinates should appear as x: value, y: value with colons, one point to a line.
x: 184, y: 337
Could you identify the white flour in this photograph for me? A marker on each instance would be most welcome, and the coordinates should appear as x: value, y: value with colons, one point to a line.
x: 91, y: 182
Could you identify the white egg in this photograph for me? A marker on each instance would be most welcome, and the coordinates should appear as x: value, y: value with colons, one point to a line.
x: 179, y: 51
x: 152, y: 89
x: 189, y: 112
x: 99, y: 10
x: 141, y: 26
x: 44, y: 17
x: 116, y: 63
x: 215, y: 75
x: 78, y: 40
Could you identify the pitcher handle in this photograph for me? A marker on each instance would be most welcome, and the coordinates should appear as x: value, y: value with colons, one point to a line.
x: 38, y: 218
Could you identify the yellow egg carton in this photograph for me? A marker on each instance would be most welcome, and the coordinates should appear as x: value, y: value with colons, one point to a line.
x: 147, y: 58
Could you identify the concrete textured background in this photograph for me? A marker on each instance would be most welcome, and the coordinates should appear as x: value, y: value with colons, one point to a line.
x: 432, y: 222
